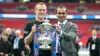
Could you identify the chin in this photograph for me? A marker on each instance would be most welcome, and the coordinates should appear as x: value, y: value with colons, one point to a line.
x: 41, y: 16
x: 61, y: 20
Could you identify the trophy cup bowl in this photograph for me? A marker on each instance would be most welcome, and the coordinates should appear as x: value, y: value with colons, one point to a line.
x: 45, y: 37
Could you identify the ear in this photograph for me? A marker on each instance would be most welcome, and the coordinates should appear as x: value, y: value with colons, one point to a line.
x: 56, y: 14
x: 35, y: 11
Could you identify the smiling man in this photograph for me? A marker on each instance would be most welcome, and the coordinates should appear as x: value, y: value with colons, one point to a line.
x: 67, y: 32
x: 30, y: 29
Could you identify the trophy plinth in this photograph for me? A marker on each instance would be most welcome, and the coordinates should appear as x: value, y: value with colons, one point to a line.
x: 45, y: 36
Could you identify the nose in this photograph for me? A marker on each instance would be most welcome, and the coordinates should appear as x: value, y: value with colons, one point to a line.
x: 61, y: 15
x: 42, y: 11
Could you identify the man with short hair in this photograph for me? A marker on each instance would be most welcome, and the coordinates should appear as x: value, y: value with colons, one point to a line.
x: 94, y: 44
x: 67, y: 32
x: 30, y: 29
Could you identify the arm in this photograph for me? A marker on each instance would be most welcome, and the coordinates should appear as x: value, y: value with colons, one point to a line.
x: 29, y: 36
x: 87, y: 44
x: 22, y: 46
x: 71, y: 34
x: 28, y: 39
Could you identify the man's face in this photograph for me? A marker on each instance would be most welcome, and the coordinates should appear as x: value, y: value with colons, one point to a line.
x: 61, y: 14
x: 40, y: 11
x: 94, y: 33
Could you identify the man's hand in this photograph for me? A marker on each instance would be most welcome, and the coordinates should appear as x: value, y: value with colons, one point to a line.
x: 58, y: 28
x: 27, y: 49
x: 28, y: 38
x: 6, y: 55
x: 34, y: 28
x: 22, y: 53
x: 1, y: 53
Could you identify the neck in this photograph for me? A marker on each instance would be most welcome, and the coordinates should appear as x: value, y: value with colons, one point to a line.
x: 94, y: 35
x: 39, y: 19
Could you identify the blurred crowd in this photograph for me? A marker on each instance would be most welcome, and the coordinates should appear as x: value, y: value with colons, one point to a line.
x: 54, y: 1
x: 11, y: 42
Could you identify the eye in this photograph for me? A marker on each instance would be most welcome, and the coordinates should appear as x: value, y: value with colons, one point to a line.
x: 62, y: 13
x: 44, y: 10
x: 59, y: 13
x: 41, y: 10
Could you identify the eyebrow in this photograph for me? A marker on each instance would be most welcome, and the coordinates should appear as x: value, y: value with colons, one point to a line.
x: 61, y: 13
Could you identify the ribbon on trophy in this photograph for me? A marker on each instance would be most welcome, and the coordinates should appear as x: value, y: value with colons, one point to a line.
x: 36, y: 45
x: 53, y: 46
x: 54, y: 36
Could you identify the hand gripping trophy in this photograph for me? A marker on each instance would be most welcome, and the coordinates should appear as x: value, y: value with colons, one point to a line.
x: 45, y: 35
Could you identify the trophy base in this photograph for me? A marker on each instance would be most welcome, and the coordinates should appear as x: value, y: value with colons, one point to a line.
x: 48, y: 40
x: 44, y: 47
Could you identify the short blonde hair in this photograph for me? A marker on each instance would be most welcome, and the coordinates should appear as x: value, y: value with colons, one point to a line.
x: 40, y: 3
x: 6, y: 33
x: 17, y: 32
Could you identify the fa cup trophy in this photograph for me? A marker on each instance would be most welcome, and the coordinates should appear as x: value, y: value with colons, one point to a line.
x: 45, y: 35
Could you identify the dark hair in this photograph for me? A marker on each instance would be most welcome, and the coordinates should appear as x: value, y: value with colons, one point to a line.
x: 61, y: 8
x: 1, y: 28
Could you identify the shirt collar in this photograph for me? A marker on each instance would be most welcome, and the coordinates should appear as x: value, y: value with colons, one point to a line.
x: 62, y: 22
x: 94, y: 36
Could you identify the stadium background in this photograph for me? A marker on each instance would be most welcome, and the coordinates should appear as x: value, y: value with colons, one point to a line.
x: 85, y: 13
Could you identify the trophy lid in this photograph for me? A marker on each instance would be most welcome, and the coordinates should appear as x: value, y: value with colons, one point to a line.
x: 46, y: 24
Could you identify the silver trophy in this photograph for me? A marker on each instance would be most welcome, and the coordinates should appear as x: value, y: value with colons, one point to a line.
x: 45, y: 35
